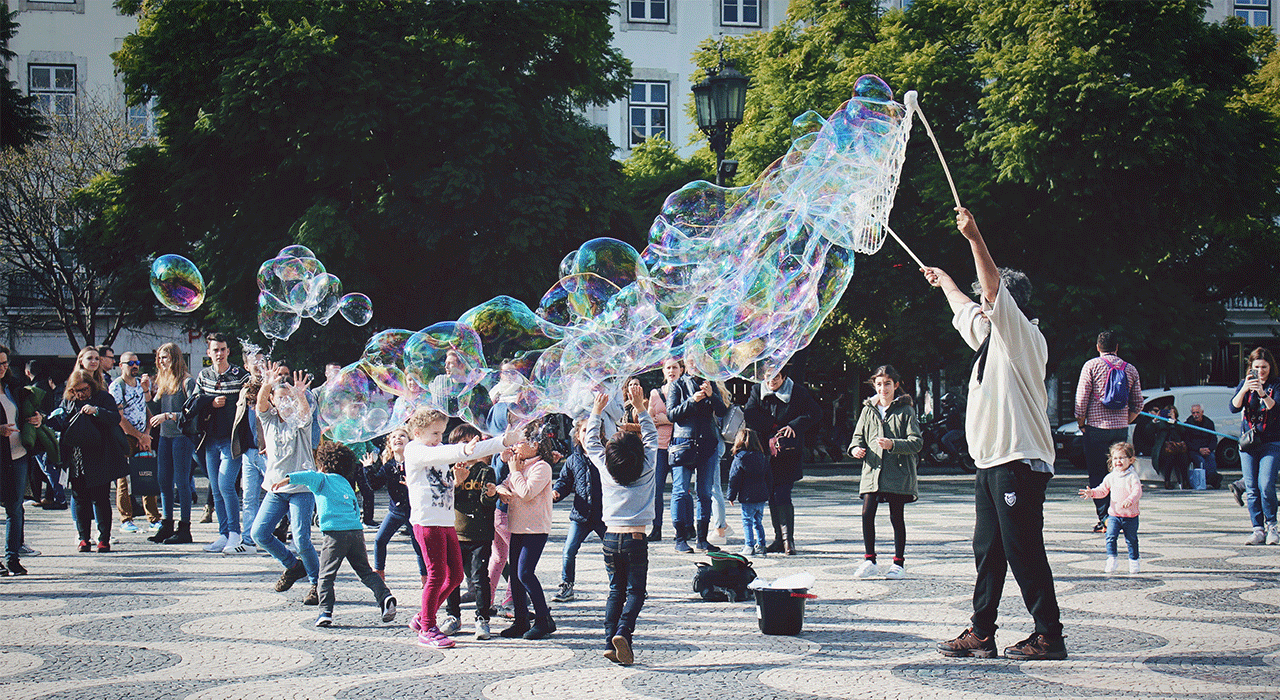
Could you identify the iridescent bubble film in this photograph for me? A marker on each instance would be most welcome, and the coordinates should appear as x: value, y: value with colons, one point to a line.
x: 354, y: 408
x: 734, y: 280
x: 356, y: 308
x: 295, y: 285
x: 177, y: 283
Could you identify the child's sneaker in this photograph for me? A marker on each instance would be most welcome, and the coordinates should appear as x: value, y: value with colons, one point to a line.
x: 324, y: 619
x: 482, y: 629
x: 1110, y: 567
x: 236, y: 545
x: 451, y: 624
x: 389, y: 608
x: 433, y: 638
x: 415, y: 623
x: 565, y: 594
x: 759, y: 550
x: 746, y: 551
x: 1135, y: 566
x: 867, y: 570
x: 312, y: 597
x: 895, y: 571
x: 217, y: 545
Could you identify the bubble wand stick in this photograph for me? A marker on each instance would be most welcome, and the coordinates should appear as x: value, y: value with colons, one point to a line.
x: 904, y: 246
x: 912, y: 98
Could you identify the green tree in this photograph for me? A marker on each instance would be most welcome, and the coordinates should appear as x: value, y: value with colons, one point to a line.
x: 1111, y: 150
x: 652, y: 172
x: 432, y: 154
x: 20, y: 120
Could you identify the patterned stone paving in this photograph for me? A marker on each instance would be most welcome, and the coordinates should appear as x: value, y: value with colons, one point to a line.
x: 1201, y: 621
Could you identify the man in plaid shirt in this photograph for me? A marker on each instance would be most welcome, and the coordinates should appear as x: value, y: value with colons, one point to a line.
x: 1104, y: 426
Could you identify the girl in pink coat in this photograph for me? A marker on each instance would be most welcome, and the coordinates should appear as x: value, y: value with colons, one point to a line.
x: 1126, y: 490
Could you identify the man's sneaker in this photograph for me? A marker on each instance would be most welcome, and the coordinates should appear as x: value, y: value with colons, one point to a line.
x: 324, y: 619
x: 236, y: 545
x: 1037, y: 647
x: 85, y: 546
x: 433, y: 638
x: 290, y: 576
x: 451, y: 625
x: 867, y: 570
x: 128, y: 526
x: 217, y: 545
x: 622, y: 654
x: 1273, y: 534
x: 1237, y: 492
x: 682, y: 547
x: 970, y: 644
x: 482, y: 629
x: 746, y: 551
x: 26, y: 551
x: 565, y: 594
x: 16, y: 568
x: 1259, y: 536
x: 389, y: 608
x: 1135, y: 566
x: 156, y: 526
x: 312, y: 597
x: 895, y: 571
x: 104, y: 547
x: 1110, y: 566
x: 759, y: 550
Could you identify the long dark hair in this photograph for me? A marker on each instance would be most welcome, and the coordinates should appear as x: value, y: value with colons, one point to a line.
x: 888, y: 372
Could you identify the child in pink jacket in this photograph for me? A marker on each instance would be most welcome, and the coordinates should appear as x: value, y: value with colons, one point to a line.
x: 1126, y: 490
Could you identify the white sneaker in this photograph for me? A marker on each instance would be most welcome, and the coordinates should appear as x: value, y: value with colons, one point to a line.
x: 895, y: 571
x: 450, y: 625
x: 1135, y: 566
x: 217, y: 545
x: 482, y: 629
x: 867, y: 570
x: 1259, y: 536
x: 746, y: 550
x: 236, y: 545
x: 718, y: 536
x: 1273, y: 534
x: 1110, y: 568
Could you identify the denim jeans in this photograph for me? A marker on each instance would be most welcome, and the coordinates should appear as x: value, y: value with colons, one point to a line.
x: 1259, y: 467
x: 626, y: 559
x: 685, y: 509
x: 251, y: 472
x: 57, y: 493
x: 572, y: 543
x: 13, y: 509
x: 1209, y: 463
x: 1130, y: 528
x: 173, y: 471
x: 300, y: 506
x: 391, y: 524
x: 224, y: 472
x: 753, y: 524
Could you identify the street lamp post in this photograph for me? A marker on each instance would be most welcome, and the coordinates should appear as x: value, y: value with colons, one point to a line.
x: 719, y: 101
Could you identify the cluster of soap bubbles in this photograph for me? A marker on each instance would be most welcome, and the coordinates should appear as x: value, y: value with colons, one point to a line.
x: 734, y: 281
x: 177, y: 283
x: 295, y: 285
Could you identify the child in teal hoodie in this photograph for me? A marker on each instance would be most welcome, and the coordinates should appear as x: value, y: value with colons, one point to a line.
x: 340, y: 527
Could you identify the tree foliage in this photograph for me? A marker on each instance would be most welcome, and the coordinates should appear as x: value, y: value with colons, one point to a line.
x: 20, y: 120
x: 1123, y: 154
x: 431, y: 153
x: 59, y: 277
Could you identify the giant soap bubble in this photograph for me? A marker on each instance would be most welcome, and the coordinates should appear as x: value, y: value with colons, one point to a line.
x: 177, y: 283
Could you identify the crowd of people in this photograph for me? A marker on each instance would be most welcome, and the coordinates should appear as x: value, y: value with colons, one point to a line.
x: 480, y: 506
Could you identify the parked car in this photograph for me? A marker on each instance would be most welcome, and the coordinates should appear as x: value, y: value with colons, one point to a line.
x: 1215, y: 400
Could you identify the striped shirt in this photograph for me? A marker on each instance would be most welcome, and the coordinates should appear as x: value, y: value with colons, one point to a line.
x: 228, y: 385
x: 1092, y: 386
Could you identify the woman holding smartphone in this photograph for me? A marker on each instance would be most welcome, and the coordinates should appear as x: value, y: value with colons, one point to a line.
x: 1256, y: 397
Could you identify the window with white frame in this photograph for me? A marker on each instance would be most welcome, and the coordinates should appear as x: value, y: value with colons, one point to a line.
x: 740, y: 13
x: 1255, y: 13
x: 142, y: 117
x: 54, y: 88
x: 648, y: 111
x: 647, y: 11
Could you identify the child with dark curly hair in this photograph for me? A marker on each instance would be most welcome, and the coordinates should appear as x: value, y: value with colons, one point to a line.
x: 340, y: 527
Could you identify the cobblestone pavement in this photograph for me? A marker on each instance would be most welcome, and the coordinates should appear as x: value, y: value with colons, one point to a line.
x: 1201, y: 620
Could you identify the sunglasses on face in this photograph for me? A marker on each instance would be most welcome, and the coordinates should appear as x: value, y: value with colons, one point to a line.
x: 134, y: 363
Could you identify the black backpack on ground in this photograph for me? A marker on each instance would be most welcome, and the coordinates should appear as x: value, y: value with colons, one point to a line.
x: 725, y: 579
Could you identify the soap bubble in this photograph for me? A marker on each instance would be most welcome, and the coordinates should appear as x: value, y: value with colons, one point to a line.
x: 508, y: 329
x: 383, y: 361
x: 295, y: 251
x: 611, y: 259
x: 323, y: 295
x: 177, y: 283
x: 274, y: 320
x: 445, y: 361
x: 354, y: 408
x: 356, y: 308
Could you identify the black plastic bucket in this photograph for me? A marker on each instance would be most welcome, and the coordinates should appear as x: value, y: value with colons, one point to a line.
x: 781, y: 610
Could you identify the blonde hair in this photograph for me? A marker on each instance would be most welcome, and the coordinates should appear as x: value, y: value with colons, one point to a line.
x: 424, y: 418
x: 169, y: 381
x: 78, y: 376
x: 1122, y: 447
x: 95, y: 377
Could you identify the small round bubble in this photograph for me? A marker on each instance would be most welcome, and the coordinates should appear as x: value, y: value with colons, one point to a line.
x: 177, y: 283
x: 356, y: 308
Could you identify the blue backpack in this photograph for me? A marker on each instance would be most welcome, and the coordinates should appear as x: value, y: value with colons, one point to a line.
x: 1116, y: 394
